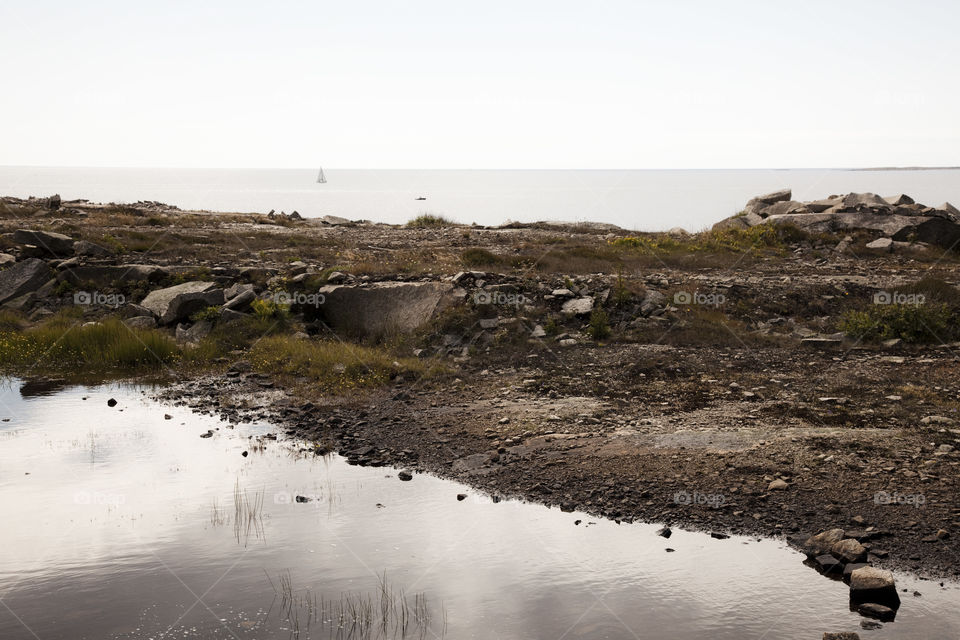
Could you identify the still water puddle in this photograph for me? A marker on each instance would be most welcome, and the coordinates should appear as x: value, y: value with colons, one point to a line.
x: 120, y: 523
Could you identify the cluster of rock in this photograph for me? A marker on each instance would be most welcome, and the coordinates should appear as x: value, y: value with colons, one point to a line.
x: 294, y: 216
x: 845, y: 554
x: 897, y: 218
x: 32, y: 283
x: 567, y: 298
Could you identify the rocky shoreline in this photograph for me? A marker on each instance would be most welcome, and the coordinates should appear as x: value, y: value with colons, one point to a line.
x: 713, y: 381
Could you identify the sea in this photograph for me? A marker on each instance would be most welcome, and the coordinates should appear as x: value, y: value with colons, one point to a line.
x: 642, y: 200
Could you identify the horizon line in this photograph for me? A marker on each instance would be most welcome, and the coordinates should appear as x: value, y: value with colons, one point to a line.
x: 184, y: 168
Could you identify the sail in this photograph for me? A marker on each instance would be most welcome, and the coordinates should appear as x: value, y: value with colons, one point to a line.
x: 321, y: 178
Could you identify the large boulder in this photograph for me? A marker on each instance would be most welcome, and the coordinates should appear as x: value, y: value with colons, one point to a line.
x: 89, y: 249
x: 849, y: 550
x: 819, y: 206
x: 194, y: 333
x: 864, y: 201
x: 899, y: 199
x: 178, y: 303
x: 48, y: 242
x: 784, y: 207
x: 577, y: 306
x: 109, y: 274
x: 822, y: 543
x: 757, y: 204
x: 22, y: 278
x: 870, y: 584
x: 384, y: 308
x: 241, y: 301
x: 733, y: 222
x: 946, y: 210
x: 334, y: 220
x: 882, y: 244
x: 652, y: 301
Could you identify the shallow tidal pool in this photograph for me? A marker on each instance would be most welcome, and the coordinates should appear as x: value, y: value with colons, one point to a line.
x: 119, y: 522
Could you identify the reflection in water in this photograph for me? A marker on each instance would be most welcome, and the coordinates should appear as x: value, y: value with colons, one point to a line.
x: 38, y: 387
x: 118, y: 525
x: 247, y: 515
x: 385, y: 613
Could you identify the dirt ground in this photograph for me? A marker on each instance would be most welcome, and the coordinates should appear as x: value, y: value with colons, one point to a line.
x: 689, y: 437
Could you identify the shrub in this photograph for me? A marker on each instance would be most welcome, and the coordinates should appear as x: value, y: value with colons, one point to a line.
x: 430, y: 220
x: 910, y: 323
x: 551, y: 327
x: 269, y: 310
x: 622, y: 293
x: 211, y: 314
x: 479, y: 258
x: 599, y: 324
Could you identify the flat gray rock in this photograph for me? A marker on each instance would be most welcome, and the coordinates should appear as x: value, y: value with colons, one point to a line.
x: 784, y: 207
x: 91, y: 250
x: 384, y: 308
x: 141, y: 322
x: 54, y: 244
x: 174, y: 304
x: 577, y: 306
x: 883, y: 244
x: 22, y: 278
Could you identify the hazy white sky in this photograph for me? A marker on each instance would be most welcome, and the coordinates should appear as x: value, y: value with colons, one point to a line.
x: 448, y: 84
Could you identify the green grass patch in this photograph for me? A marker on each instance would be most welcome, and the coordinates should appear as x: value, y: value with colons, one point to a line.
x: 63, y: 342
x: 10, y: 321
x: 775, y: 237
x: 225, y: 340
x: 334, y: 365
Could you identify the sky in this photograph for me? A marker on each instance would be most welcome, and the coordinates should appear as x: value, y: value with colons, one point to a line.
x: 492, y: 85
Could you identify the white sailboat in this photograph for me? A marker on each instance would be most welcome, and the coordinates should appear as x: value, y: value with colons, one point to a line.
x: 322, y: 179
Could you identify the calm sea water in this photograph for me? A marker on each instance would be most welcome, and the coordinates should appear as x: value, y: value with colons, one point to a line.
x: 642, y: 200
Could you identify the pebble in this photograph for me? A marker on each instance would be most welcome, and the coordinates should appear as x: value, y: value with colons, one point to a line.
x: 777, y: 485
